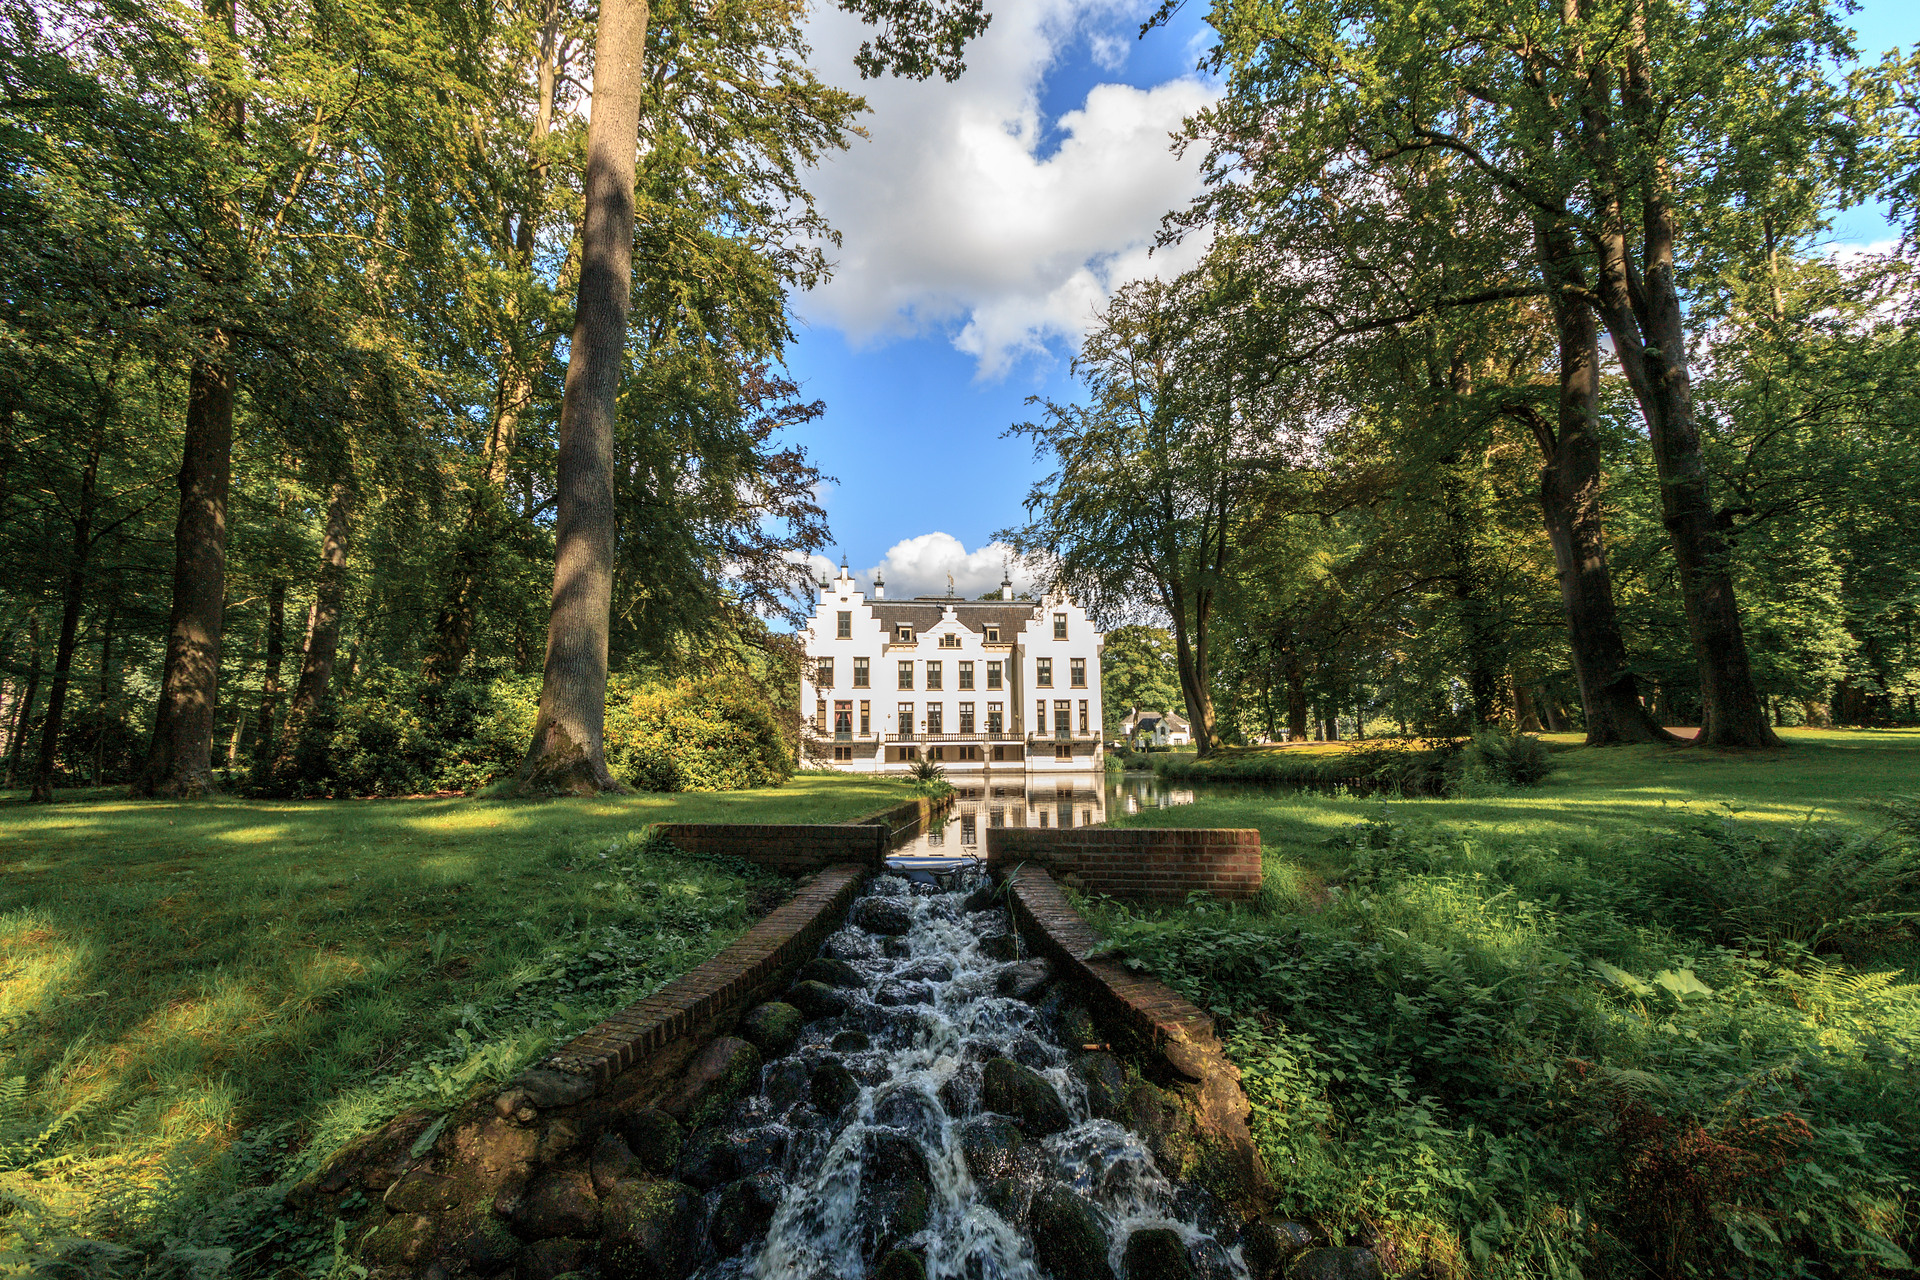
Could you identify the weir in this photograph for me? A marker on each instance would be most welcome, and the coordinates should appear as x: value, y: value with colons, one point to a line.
x: 945, y: 1108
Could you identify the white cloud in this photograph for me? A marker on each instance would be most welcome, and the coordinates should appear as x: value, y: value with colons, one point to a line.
x: 920, y: 566
x: 952, y: 220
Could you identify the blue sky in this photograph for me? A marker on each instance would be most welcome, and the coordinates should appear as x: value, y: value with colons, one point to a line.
x: 983, y: 221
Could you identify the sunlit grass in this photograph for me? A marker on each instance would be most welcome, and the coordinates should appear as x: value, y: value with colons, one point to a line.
x: 174, y: 975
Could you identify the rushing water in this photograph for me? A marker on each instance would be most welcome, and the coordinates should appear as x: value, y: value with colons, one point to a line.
x: 931, y: 1015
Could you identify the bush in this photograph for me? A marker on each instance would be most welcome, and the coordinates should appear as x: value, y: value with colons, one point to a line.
x: 1395, y: 768
x: 717, y: 733
x: 1511, y: 759
x: 394, y: 734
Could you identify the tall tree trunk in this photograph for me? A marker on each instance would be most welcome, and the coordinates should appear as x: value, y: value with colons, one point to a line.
x: 1296, y: 696
x: 323, y: 619
x: 23, y: 718
x: 1190, y: 662
x: 568, y: 750
x: 276, y: 657
x: 1571, y: 502
x: 180, y: 759
x: 73, y: 590
x: 1640, y: 305
x: 104, y: 700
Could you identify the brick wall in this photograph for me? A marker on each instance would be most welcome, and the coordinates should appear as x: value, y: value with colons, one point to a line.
x: 659, y: 1032
x: 791, y: 850
x: 1136, y: 862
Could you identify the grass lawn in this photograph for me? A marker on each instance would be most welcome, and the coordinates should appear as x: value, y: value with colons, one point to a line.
x: 1590, y: 1027
x: 191, y: 994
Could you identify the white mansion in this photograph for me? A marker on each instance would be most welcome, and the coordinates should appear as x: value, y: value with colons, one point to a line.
x: 977, y: 685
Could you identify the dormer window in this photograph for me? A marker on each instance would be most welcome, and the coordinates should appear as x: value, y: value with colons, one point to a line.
x: 949, y: 642
x: 903, y: 633
x: 993, y: 635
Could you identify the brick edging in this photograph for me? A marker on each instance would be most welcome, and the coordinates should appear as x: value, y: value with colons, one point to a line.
x: 1165, y: 863
x: 1154, y: 1010
x: 745, y: 971
x: 1173, y: 1027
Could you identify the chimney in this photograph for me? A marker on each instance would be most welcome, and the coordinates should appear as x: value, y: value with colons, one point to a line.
x: 879, y: 587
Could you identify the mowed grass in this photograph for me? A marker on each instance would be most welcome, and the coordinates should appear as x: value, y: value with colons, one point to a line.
x: 175, y: 976
x: 1831, y: 774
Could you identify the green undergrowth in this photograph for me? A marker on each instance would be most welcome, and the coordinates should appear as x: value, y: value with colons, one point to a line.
x: 199, y: 1002
x: 1413, y: 767
x: 1688, y: 1048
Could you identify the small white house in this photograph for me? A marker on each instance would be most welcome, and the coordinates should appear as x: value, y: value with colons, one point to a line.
x: 1157, y: 729
x: 973, y: 685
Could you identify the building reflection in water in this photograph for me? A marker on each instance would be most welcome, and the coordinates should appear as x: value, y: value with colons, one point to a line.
x: 1052, y: 802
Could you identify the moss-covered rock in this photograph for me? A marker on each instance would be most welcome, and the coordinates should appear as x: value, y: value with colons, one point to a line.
x: 400, y: 1241
x: 560, y: 1202
x: 742, y: 1213
x: 1105, y: 1081
x: 900, y: 1264
x: 772, y: 1027
x: 833, y: 1088
x: 647, y: 1231
x: 715, y: 1077
x: 1164, y: 1125
x: 835, y: 973
x: 896, y: 1191
x: 816, y: 999
x: 1017, y: 1091
x: 655, y: 1138
x: 1155, y: 1253
x: 1069, y: 1236
x: 989, y: 1144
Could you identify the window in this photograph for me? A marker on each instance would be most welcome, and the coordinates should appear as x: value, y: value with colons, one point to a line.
x: 904, y: 719
x: 906, y: 675
x: 993, y: 675
x: 1043, y: 673
x: 903, y: 633
x: 843, y: 753
x: 966, y: 675
x: 934, y: 714
x: 1062, y: 751
x: 996, y: 720
x: 866, y: 718
x: 1059, y: 626
x: 1083, y: 715
x: 1077, y: 672
x: 936, y: 753
x: 949, y: 642
x: 843, y: 720
x: 844, y: 625
x: 1039, y: 715
x: 1063, y: 718
x: 934, y: 677
x: 860, y: 673
x: 966, y: 717
x: 823, y: 673
x: 820, y: 714
x: 993, y: 635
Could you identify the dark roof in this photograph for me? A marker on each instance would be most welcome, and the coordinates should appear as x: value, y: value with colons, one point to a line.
x: 975, y: 615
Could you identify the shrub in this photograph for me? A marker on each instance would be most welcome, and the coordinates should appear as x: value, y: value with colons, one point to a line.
x: 717, y: 733
x: 393, y: 734
x: 1514, y: 759
x: 1396, y: 768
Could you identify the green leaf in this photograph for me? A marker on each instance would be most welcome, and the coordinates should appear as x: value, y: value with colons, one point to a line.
x: 1620, y: 977
x: 1681, y: 983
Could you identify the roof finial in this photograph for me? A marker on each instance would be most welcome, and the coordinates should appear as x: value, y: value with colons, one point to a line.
x: 1006, y: 579
x: 949, y: 586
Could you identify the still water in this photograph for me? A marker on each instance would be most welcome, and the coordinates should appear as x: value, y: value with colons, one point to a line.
x: 1017, y: 800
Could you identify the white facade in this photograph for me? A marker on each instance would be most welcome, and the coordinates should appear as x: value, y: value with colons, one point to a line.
x: 974, y: 685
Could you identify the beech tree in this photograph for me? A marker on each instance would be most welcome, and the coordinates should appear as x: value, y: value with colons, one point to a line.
x: 1588, y: 119
x: 567, y: 753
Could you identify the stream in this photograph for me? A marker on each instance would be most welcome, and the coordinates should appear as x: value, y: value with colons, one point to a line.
x: 941, y: 1101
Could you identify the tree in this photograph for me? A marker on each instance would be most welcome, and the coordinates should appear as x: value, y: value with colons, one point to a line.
x: 1586, y: 119
x: 567, y: 753
x: 1137, y: 673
